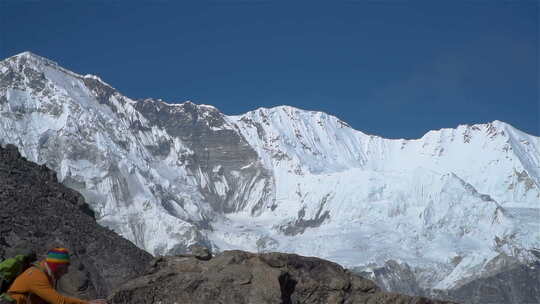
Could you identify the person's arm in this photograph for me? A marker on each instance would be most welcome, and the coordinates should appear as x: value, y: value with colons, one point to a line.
x: 43, y: 289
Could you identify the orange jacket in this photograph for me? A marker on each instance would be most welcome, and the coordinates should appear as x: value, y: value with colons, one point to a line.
x: 35, y: 286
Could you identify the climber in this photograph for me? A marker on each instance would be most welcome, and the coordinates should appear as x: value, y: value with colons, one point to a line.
x: 37, y: 285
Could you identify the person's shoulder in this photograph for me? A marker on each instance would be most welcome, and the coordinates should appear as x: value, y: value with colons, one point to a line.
x: 30, y: 277
x: 19, y: 257
x: 35, y: 271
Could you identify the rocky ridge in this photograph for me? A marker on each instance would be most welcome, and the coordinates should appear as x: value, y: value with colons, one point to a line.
x: 241, y: 277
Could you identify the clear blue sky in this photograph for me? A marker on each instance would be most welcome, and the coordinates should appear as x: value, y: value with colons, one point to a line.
x: 391, y: 68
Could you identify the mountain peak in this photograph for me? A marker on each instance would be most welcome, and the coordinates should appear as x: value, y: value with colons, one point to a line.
x: 281, y: 108
x: 295, y: 113
x: 26, y: 54
x: 32, y: 57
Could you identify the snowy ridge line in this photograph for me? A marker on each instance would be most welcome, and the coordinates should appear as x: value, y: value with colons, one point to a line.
x: 42, y: 60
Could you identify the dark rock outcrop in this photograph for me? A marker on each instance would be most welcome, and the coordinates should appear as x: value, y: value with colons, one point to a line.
x: 241, y: 277
x: 38, y: 213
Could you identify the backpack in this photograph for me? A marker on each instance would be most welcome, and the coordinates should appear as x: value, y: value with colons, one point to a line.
x: 6, y: 299
x: 10, y: 269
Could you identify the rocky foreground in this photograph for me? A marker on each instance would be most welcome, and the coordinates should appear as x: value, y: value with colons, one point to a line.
x: 38, y: 213
x: 242, y: 277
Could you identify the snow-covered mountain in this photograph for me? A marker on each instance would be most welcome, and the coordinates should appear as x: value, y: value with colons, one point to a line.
x: 447, y: 207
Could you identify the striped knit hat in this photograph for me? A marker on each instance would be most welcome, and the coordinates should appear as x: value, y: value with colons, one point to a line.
x: 58, y: 256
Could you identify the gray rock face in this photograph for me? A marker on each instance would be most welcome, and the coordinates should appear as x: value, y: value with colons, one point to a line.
x: 516, y: 283
x: 300, y: 224
x: 395, y: 277
x: 218, y: 149
x: 510, y: 281
x: 38, y: 213
x: 241, y: 277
